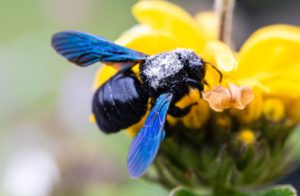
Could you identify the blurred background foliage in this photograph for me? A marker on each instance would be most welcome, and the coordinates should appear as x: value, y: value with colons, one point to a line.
x: 47, y: 145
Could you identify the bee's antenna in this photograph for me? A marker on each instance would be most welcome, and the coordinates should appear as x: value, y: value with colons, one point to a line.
x: 215, y: 68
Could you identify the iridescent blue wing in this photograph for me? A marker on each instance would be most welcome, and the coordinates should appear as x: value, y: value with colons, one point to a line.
x: 85, y: 49
x: 144, y: 147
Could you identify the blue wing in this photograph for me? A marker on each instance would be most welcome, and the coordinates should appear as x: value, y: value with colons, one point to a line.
x: 84, y: 49
x: 144, y: 147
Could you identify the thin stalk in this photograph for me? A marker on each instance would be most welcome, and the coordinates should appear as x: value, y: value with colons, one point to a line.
x: 224, y: 10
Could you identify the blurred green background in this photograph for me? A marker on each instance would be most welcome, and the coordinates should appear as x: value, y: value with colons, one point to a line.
x: 47, y: 145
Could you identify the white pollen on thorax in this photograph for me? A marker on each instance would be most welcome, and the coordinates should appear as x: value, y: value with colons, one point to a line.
x: 161, y: 66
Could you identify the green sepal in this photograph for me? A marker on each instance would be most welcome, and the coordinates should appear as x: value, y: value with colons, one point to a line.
x: 283, y: 190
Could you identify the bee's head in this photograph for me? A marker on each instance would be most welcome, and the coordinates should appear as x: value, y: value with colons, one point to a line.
x: 193, y: 64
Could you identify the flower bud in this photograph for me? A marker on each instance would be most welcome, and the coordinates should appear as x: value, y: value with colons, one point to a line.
x: 246, y: 136
x: 273, y: 109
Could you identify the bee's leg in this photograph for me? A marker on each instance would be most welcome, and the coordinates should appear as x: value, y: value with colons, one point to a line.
x: 180, y: 112
x: 167, y: 130
x: 206, y: 83
x: 219, y: 72
x: 196, y: 84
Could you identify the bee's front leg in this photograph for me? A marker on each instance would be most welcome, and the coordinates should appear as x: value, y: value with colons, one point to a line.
x: 197, y: 85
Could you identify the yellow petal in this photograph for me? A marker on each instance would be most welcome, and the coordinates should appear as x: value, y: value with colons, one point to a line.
x: 92, y: 119
x: 208, y: 22
x: 147, y: 40
x: 170, y: 18
x: 104, y: 73
x: 269, y: 55
x: 253, y: 83
x: 284, y: 82
x: 221, y: 55
x: 286, y: 88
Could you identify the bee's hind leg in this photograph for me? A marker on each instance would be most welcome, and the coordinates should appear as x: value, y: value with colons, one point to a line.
x: 167, y: 129
x: 180, y: 112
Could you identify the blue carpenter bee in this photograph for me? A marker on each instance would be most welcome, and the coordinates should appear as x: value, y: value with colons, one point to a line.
x: 122, y: 101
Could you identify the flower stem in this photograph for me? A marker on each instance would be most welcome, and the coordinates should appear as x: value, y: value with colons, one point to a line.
x: 224, y: 10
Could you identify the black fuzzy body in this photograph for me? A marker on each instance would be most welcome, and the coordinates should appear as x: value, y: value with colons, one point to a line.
x: 175, y: 71
x: 120, y: 102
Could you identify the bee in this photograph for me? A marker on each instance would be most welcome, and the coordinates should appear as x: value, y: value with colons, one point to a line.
x: 123, y: 100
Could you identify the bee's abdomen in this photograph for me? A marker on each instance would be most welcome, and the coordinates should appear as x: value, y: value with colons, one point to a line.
x: 119, y: 103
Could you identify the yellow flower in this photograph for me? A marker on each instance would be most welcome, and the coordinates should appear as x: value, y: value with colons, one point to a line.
x: 267, y: 64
